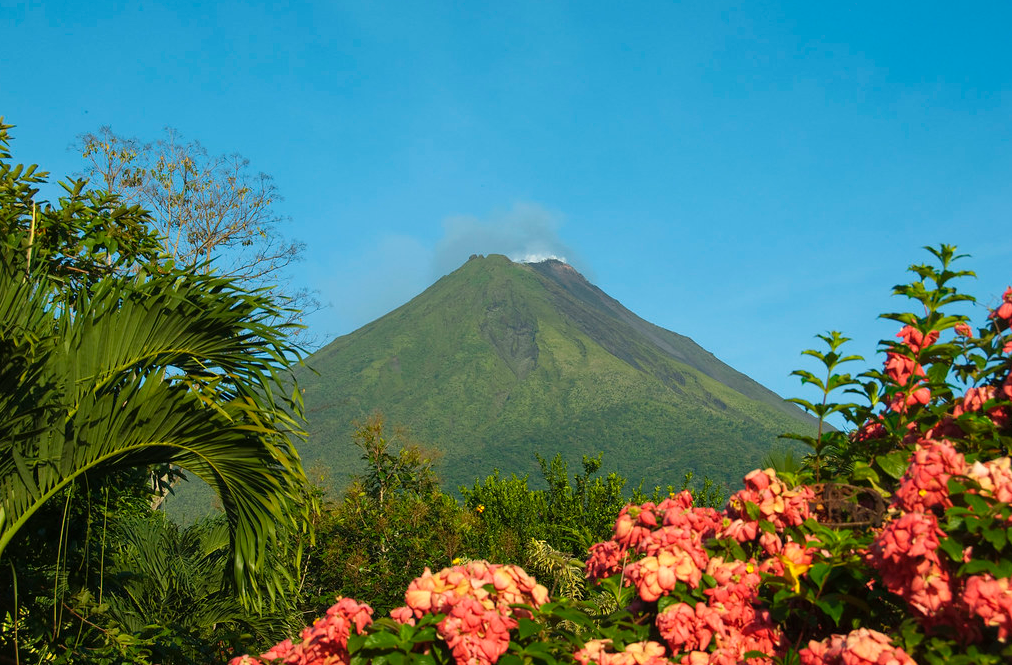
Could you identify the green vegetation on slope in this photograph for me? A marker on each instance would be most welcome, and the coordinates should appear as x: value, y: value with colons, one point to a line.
x: 498, y: 361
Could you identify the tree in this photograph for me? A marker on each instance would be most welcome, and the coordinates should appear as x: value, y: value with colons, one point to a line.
x: 390, y: 523
x: 144, y: 365
x: 410, y: 469
x: 212, y: 211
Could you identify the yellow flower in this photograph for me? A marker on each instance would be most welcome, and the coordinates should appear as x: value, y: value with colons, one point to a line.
x: 481, y: 508
x: 794, y: 571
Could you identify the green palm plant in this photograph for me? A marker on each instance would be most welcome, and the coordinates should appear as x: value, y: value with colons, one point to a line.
x: 144, y: 370
x: 140, y: 364
x: 160, y: 577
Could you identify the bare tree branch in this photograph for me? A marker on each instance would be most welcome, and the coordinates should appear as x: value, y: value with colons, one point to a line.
x: 212, y: 212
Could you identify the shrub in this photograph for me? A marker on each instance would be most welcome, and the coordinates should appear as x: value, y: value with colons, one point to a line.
x: 894, y: 546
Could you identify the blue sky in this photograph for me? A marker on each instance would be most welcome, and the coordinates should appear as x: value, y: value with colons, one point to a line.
x: 748, y: 175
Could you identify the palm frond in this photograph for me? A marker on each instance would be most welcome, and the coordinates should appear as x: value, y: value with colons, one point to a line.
x: 153, y: 369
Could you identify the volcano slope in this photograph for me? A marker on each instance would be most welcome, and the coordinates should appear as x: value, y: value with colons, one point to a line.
x: 499, y: 360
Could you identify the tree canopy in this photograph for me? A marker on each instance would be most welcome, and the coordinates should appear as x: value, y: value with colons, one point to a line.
x: 112, y: 358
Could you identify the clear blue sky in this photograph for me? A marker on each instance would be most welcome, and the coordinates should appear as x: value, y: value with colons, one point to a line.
x: 748, y: 175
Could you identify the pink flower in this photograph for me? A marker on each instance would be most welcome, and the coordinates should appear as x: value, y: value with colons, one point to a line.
x: 244, y: 660
x: 900, y: 368
x: 605, y: 559
x: 778, y: 504
x: 914, y: 339
x: 903, y: 399
x: 870, y: 431
x: 991, y: 600
x: 478, y: 618
x: 905, y: 555
x: 859, y: 647
x: 925, y: 483
x: 403, y: 615
x: 279, y: 651
x: 975, y: 399
x: 994, y: 478
x: 1004, y: 311
x: 685, y: 628
x: 326, y: 641
x: 475, y: 634
x: 438, y: 593
x: 600, y: 652
x: 634, y: 524
x: 964, y: 330
x: 656, y: 576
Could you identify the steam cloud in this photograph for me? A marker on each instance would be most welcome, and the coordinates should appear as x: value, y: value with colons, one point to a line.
x: 392, y: 269
x: 526, y: 233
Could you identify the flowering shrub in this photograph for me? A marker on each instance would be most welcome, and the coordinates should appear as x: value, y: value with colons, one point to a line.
x: 892, y: 547
x: 859, y: 647
x: 326, y: 641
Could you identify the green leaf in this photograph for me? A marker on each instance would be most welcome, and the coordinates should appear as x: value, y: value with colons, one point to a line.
x: 381, y: 640
x: 526, y: 628
x: 975, y: 566
x: 427, y: 659
x: 752, y: 510
x: 664, y: 602
x: 832, y: 606
x: 996, y: 536
x: 862, y: 471
x: 819, y: 572
x: 894, y: 464
x: 951, y: 547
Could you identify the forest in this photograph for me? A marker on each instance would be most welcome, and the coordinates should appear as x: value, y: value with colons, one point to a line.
x: 129, y: 361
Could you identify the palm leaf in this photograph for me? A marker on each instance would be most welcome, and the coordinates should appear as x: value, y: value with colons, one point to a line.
x: 153, y: 369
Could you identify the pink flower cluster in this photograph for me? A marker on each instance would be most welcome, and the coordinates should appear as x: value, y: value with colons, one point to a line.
x: 1004, y: 310
x: 781, y: 506
x: 478, y: 620
x: 729, y: 620
x: 905, y: 554
x: 994, y: 478
x: 859, y: 647
x: 975, y: 399
x: 991, y: 600
x: 323, y: 643
x: 924, y: 486
x: 906, y: 372
x: 657, y: 547
x: 670, y: 535
x: 601, y: 652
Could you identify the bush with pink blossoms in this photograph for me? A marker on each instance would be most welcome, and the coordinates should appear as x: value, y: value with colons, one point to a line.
x: 859, y: 647
x: 893, y: 545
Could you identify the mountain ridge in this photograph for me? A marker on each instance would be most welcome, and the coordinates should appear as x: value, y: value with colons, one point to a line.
x: 499, y: 360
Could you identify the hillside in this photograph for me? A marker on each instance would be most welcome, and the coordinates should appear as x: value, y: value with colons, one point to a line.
x: 499, y: 360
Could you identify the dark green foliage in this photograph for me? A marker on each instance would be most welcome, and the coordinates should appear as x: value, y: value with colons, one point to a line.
x: 114, y: 366
x: 389, y: 525
x: 570, y: 515
x: 393, y: 522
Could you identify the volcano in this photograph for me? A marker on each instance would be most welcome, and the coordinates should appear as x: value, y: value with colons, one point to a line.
x: 500, y: 360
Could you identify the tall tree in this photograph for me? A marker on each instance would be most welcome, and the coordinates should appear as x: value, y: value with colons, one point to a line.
x: 212, y: 211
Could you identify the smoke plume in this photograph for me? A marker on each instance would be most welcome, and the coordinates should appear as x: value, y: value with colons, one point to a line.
x: 527, y: 233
